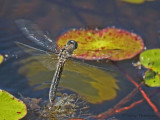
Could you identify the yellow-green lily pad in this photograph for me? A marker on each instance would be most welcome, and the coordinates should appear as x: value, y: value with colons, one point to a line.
x: 136, y: 1
x: 109, y: 43
x: 152, y: 79
x: 11, y: 108
x: 1, y: 58
x: 151, y: 59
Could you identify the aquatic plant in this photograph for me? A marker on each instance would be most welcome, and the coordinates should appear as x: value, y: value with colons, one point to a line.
x: 150, y: 59
x: 1, y: 58
x: 136, y: 1
x: 11, y: 108
x: 64, y: 107
x: 109, y: 43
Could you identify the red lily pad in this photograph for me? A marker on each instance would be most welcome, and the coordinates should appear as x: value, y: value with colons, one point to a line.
x: 109, y: 43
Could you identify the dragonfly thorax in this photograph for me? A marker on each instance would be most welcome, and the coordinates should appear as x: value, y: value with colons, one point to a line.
x: 63, y: 55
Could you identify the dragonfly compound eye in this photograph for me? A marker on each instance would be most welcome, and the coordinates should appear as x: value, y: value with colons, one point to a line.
x: 73, y: 42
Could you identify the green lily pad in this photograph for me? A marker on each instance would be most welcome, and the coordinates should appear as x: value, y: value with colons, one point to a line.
x: 151, y: 59
x: 11, y: 108
x: 1, y: 58
x: 152, y: 79
x: 136, y: 1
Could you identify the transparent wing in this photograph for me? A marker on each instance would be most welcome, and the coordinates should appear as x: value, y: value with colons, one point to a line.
x: 72, y: 64
x: 33, y: 32
x: 47, y: 59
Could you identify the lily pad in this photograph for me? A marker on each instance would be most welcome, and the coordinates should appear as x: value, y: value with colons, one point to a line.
x: 1, y: 58
x: 11, y: 108
x: 136, y: 1
x: 109, y: 43
x: 152, y: 78
x: 151, y: 59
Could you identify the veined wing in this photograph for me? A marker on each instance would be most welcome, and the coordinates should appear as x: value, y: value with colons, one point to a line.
x: 47, y: 59
x: 33, y: 32
x: 71, y: 64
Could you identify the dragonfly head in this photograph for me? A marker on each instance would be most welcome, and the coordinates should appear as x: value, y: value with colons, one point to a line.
x: 75, y: 44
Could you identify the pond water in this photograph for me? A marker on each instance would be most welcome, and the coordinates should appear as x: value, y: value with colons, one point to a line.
x: 101, y: 84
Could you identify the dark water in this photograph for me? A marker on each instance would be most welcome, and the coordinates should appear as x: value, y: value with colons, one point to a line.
x: 57, y: 16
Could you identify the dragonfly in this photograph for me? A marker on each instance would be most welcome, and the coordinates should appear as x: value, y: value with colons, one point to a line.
x: 65, y: 53
x: 33, y: 33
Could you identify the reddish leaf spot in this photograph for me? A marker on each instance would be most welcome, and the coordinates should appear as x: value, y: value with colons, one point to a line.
x: 102, y: 48
x: 70, y: 36
x: 79, y: 33
x: 100, y: 34
x: 159, y: 75
x: 19, y: 112
x: 89, y: 37
x: 96, y: 50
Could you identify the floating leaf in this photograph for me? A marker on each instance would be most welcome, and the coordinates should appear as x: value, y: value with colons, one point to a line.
x: 152, y: 78
x: 136, y: 1
x: 11, y: 108
x: 89, y: 82
x: 109, y: 43
x: 1, y: 58
x: 151, y: 59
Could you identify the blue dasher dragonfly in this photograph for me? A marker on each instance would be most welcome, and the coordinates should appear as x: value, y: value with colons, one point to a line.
x: 33, y: 33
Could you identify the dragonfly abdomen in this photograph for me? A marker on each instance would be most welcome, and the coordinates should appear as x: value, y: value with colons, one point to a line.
x: 55, y: 81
